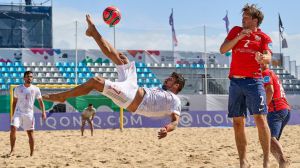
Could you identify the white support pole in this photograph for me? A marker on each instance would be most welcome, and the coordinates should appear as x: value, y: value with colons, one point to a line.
x: 206, y: 62
x: 52, y: 22
x: 76, y: 55
x: 114, y: 36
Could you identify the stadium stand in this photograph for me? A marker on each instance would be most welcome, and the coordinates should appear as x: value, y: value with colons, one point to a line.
x: 61, y: 69
x: 149, y: 75
x: 64, y: 72
x: 218, y: 82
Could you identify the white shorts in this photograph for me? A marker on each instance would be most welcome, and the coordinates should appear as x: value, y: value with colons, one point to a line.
x: 122, y: 92
x: 25, y: 121
x: 86, y: 115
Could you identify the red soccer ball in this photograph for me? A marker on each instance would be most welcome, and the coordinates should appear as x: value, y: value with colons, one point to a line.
x: 111, y: 15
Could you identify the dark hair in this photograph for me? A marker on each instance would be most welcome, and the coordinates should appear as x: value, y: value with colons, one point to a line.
x: 90, y: 104
x: 179, y: 80
x: 254, y: 12
x: 27, y: 73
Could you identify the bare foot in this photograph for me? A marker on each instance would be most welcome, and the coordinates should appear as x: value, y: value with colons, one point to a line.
x: 284, y: 164
x: 54, y: 98
x: 245, y: 164
x: 12, y: 153
x: 91, y: 27
x: 266, y: 165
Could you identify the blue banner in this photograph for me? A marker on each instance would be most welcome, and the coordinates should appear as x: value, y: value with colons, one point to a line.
x: 105, y: 120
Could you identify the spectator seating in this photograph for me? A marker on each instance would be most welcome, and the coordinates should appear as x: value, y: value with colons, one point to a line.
x: 65, y: 73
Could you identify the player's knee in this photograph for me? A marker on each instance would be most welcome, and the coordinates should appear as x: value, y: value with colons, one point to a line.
x: 13, y: 129
x: 123, y: 58
x: 260, y: 120
x: 125, y: 61
x: 96, y: 81
x: 238, y: 123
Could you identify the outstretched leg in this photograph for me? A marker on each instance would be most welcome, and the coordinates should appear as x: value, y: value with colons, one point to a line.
x: 116, y: 57
x: 96, y: 83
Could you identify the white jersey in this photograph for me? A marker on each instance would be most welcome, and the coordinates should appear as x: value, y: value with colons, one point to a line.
x: 26, y: 97
x: 88, y: 113
x: 159, y: 103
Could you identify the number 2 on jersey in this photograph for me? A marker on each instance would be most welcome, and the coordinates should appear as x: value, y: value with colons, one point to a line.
x: 246, y: 44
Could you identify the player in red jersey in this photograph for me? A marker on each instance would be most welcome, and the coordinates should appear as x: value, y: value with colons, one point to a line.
x: 278, y: 112
x: 250, y: 48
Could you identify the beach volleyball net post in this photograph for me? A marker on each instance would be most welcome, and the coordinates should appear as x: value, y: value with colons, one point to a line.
x: 50, y: 88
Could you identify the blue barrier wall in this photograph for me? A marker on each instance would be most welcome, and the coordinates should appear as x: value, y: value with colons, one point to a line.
x: 105, y: 120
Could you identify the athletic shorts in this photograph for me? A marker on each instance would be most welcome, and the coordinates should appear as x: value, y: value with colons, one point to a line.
x: 83, y: 117
x: 277, y: 120
x: 124, y: 90
x: 86, y: 119
x: 246, y: 93
x: 22, y: 120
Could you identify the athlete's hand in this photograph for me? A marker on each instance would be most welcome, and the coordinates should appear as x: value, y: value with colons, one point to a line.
x: 259, y: 57
x: 243, y: 33
x: 162, y: 133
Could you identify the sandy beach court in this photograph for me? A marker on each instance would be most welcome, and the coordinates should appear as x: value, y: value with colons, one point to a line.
x: 185, y: 147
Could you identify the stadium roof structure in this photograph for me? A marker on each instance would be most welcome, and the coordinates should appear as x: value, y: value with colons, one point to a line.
x: 23, y: 26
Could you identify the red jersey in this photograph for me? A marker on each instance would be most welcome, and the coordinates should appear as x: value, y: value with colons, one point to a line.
x: 279, y: 101
x: 243, y: 53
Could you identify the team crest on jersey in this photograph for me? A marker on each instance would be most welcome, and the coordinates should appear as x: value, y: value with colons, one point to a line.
x: 257, y: 38
x: 270, y: 45
x: 266, y: 79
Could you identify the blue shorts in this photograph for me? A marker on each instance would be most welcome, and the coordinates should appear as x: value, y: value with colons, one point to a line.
x: 277, y: 121
x: 246, y: 93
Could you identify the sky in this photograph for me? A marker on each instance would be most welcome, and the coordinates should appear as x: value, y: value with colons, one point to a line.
x: 145, y: 23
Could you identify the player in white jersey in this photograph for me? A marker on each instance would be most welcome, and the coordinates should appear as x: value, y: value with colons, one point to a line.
x: 23, y: 105
x: 88, y: 115
x: 150, y: 102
